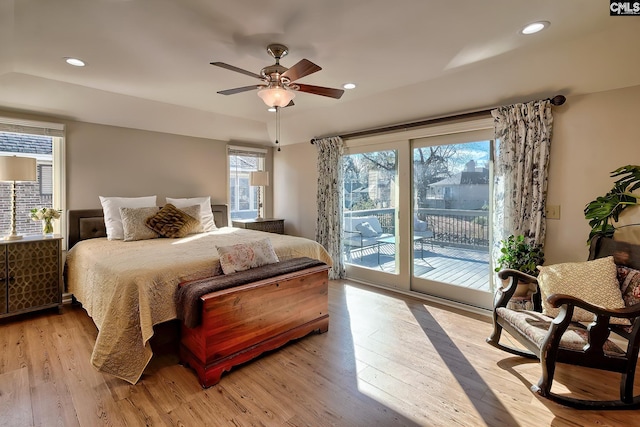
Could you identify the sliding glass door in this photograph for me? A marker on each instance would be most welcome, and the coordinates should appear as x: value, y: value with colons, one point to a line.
x: 370, y: 210
x: 417, y: 214
x: 452, y: 178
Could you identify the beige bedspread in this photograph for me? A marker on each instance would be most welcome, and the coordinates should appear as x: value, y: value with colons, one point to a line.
x: 128, y: 287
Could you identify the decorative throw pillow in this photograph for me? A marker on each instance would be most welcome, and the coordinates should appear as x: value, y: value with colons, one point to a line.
x: 592, y: 281
x: 629, y: 280
x: 172, y: 222
x: 418, y: 224
x: 111, y: 208
x: 206, y: 214
x: 194, y: 211
x: 244, y: 256
x: 134, y: 223
x: 366, y: 230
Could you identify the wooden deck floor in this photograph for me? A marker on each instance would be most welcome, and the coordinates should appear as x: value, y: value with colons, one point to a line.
x: 467, y: 268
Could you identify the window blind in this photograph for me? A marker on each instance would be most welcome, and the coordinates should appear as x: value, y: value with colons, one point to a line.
x: 32, y: 127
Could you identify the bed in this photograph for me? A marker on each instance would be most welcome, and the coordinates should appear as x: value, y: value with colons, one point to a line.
x: 127, y: 288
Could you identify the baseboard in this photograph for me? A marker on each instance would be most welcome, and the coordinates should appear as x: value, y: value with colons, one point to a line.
x: 430, y: 298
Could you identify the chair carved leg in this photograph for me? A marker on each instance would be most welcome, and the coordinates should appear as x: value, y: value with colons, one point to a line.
x: 548, y: 365
x: 626, y: 387
x: 494, y: 338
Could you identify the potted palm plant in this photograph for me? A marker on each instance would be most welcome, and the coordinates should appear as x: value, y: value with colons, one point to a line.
x: 518, y: 254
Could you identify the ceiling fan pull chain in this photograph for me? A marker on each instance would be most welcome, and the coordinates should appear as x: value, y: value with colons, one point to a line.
x: 278, y: 127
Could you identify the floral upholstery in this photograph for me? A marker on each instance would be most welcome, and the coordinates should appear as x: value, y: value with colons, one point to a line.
x: 629, y: 279
x: 534, y: 326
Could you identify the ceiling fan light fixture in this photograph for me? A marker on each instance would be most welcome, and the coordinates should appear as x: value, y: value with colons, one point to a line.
x: 276, y: 96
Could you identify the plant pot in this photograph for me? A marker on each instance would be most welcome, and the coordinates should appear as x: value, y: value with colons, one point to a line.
x: 522, y: 288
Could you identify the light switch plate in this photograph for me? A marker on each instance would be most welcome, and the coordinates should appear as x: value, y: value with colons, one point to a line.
x: 553, y: 211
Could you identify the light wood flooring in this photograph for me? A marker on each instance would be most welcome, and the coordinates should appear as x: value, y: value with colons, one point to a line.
x: 387, y: 360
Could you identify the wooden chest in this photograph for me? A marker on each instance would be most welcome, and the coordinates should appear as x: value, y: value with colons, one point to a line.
x: 240, y: 323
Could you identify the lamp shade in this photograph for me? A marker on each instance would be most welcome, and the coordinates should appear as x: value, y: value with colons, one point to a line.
x: 13, y: 168
x: 259, y: 179
x: 276, y: 96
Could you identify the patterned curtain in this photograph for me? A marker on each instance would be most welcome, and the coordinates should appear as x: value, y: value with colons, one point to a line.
x: 330, y: 185
x: 523, y: 135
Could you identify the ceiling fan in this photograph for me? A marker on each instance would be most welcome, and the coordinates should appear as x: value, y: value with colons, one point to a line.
x: 278, y: 87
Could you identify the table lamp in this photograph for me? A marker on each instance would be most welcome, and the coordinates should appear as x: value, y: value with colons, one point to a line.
x: 259, y: 179
x: 12, y: 169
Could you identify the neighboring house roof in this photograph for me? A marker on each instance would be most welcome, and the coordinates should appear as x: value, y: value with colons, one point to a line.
x: 465, y: 178
x: 243, y: 162
x: 23, y: 143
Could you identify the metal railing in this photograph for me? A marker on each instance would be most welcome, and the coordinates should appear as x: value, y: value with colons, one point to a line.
x: 451, y: 227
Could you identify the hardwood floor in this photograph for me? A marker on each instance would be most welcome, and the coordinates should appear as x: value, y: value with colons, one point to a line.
x: 387, y: 360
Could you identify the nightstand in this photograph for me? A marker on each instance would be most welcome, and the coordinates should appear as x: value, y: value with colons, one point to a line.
x: 30, y: 274
x: 271, y: 225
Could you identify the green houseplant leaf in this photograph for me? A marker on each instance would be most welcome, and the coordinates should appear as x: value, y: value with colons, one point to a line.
x: 519, y: 255
x: 606, y: 209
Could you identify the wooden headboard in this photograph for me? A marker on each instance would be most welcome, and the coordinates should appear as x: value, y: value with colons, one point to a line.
x: 89, y: 223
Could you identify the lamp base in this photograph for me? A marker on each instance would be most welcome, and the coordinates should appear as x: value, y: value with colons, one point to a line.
x: 13, y: 237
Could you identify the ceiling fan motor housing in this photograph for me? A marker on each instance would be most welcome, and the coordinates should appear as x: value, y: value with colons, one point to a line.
x: 277, y: 51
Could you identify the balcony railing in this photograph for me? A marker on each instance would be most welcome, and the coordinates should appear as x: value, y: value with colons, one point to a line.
x: 452, y: 227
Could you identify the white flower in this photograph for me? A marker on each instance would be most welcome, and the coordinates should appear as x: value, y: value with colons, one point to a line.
x: 39, y: 214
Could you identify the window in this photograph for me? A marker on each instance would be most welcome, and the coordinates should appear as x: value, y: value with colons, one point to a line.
x: 243, y: 199
x: 44, y: 142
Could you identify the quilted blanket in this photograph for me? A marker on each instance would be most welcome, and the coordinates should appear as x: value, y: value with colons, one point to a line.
x: 128, y: 287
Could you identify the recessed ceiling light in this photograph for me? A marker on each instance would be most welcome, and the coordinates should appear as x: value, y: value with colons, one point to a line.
x: 535, y: 27
x: 349, y: 85
x: 75, y: 62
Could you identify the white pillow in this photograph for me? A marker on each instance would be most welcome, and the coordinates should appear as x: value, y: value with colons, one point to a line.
x: 206, y: 214
x: 111, y: 208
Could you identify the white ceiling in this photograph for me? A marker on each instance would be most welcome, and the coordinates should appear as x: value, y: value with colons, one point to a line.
x: 148, y: 60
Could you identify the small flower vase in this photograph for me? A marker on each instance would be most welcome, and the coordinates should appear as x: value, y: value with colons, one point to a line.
x: 47, y: 227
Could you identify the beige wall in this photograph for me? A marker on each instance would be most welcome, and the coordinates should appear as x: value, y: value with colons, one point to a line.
x: 113, y: 161
x: 295, y: 182
x: 593, y: 135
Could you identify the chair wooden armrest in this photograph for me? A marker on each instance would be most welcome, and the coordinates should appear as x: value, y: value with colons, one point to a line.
x: 557, y: 300
x: 504, y: 294
x: 518, y: 275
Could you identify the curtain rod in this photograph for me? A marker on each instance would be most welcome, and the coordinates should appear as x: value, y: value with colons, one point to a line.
x: 556, y: 100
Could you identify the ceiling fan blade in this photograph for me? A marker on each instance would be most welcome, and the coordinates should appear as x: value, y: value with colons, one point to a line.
x: 319, y: 90
x: 239, y: 90
x: 236, y: 69
x: 301, y: 69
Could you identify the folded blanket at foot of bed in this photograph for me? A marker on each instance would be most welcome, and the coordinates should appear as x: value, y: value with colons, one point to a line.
x: 189, y: 304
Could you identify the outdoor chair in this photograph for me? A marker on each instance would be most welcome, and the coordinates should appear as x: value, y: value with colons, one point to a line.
x: 362, y: 232
x: 570, y: 337
x: 423, y: 229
